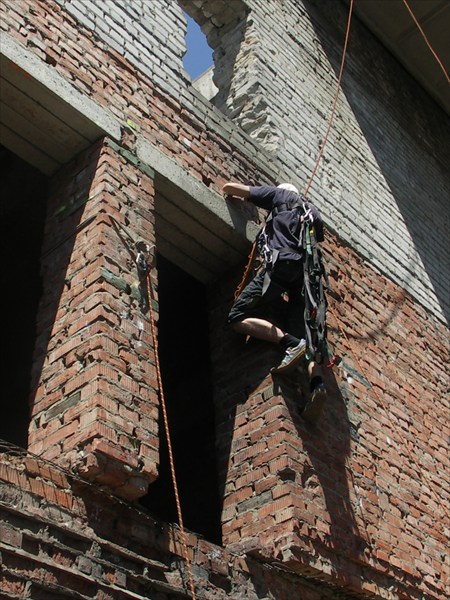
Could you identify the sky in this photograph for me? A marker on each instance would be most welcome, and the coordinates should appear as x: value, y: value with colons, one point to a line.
x: 198, y: 57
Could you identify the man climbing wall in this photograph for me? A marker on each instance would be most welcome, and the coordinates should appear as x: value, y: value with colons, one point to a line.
x: 283, y: 246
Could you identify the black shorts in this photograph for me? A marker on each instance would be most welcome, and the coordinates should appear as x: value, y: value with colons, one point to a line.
x: 287, y: 276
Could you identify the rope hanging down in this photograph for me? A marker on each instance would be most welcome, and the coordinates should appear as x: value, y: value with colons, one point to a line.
x: 166, y: 427
x: 253, y: 252
x: 426, y: 40
x: 333, y: 109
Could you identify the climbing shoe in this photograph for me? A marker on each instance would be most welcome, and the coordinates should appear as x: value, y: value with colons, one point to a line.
x: 314, y: 406
x: 293, y: 355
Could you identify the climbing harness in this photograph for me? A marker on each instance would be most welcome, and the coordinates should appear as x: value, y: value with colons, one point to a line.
x: 270, y: 255
x: 315, y: 279
x: 261, y: 252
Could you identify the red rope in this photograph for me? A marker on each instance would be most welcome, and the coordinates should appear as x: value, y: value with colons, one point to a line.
x: 426, y: 40
x: 333, y: 110
x: 247, y: 271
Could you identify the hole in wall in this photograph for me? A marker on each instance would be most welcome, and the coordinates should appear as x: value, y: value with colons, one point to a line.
x: 183, y: 339
x: 198, y: 59
x: 199, y: 55
x: 23, y: 206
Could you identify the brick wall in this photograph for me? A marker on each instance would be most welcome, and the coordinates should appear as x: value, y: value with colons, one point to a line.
x: 370, y: 178
x: 362, y: 487
x: 357, y: 503
x: 381, y: 182
x: 95, y: 375
x: 61, y: 537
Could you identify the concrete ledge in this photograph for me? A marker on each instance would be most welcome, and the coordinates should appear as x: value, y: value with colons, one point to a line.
x: 213, y: 207
x: 54, y: 84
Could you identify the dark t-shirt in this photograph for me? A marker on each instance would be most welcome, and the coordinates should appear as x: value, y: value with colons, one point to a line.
x: 284, y: 227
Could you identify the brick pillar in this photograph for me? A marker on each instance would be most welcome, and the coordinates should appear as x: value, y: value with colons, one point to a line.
x: 94, y: 407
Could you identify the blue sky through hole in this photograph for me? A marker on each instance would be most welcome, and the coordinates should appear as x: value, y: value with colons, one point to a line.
x: 198, y: 57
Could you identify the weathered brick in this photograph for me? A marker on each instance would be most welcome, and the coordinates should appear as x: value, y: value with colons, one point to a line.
x: 375, y: 462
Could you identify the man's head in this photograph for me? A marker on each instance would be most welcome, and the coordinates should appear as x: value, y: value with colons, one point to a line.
x: 288, y: 186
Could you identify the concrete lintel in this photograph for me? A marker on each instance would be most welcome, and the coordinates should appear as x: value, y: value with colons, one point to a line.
x: 46, y: 75
x: 91, y: 120
x: 212, y: 204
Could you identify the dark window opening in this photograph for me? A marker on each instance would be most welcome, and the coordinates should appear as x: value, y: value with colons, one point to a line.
x: 184, y: 358
x: 23, y: 204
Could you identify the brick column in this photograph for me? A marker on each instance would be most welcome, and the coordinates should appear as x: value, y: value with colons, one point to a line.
x: 94, y: 407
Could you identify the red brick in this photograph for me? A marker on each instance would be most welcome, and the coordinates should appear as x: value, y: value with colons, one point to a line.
x: 385, y: 486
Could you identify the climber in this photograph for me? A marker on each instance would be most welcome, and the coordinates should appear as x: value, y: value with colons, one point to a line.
x: 282, y: 272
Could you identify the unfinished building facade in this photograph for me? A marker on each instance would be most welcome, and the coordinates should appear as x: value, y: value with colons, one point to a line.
x: 108, y: 149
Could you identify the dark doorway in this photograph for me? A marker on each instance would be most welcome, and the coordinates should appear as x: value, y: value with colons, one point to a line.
x: 184, y: 357
x: 23, y: 206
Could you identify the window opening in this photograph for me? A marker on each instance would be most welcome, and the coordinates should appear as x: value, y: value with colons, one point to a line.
x: 198, y: 60
x: 23, y: 200
x: 199, y: 55
x: 183, y: 340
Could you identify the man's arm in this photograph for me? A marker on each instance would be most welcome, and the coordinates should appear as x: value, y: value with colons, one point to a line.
x: 236, y: 189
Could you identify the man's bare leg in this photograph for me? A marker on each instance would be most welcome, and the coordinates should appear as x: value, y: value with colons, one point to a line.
x: 265, y: 330
x: 260, y: 329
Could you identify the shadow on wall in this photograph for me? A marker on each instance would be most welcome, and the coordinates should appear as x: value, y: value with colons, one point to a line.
x: 324, y: 476
x: 326, y: 471
x: 322, y: 481
x: 66, y: 221
x: 333, y: 525
x: 407, y: 134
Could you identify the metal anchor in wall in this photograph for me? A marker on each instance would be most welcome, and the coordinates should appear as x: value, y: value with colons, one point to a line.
x: 144, y: 259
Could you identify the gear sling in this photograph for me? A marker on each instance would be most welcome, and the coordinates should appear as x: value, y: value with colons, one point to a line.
x: 314, y: 274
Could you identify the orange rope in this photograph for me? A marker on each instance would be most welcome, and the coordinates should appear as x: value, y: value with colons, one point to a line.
x: 333, y: 110
x: 246, y: 274
x: 169, y: 443
x: 383, y: 405
x: 426, y: 40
